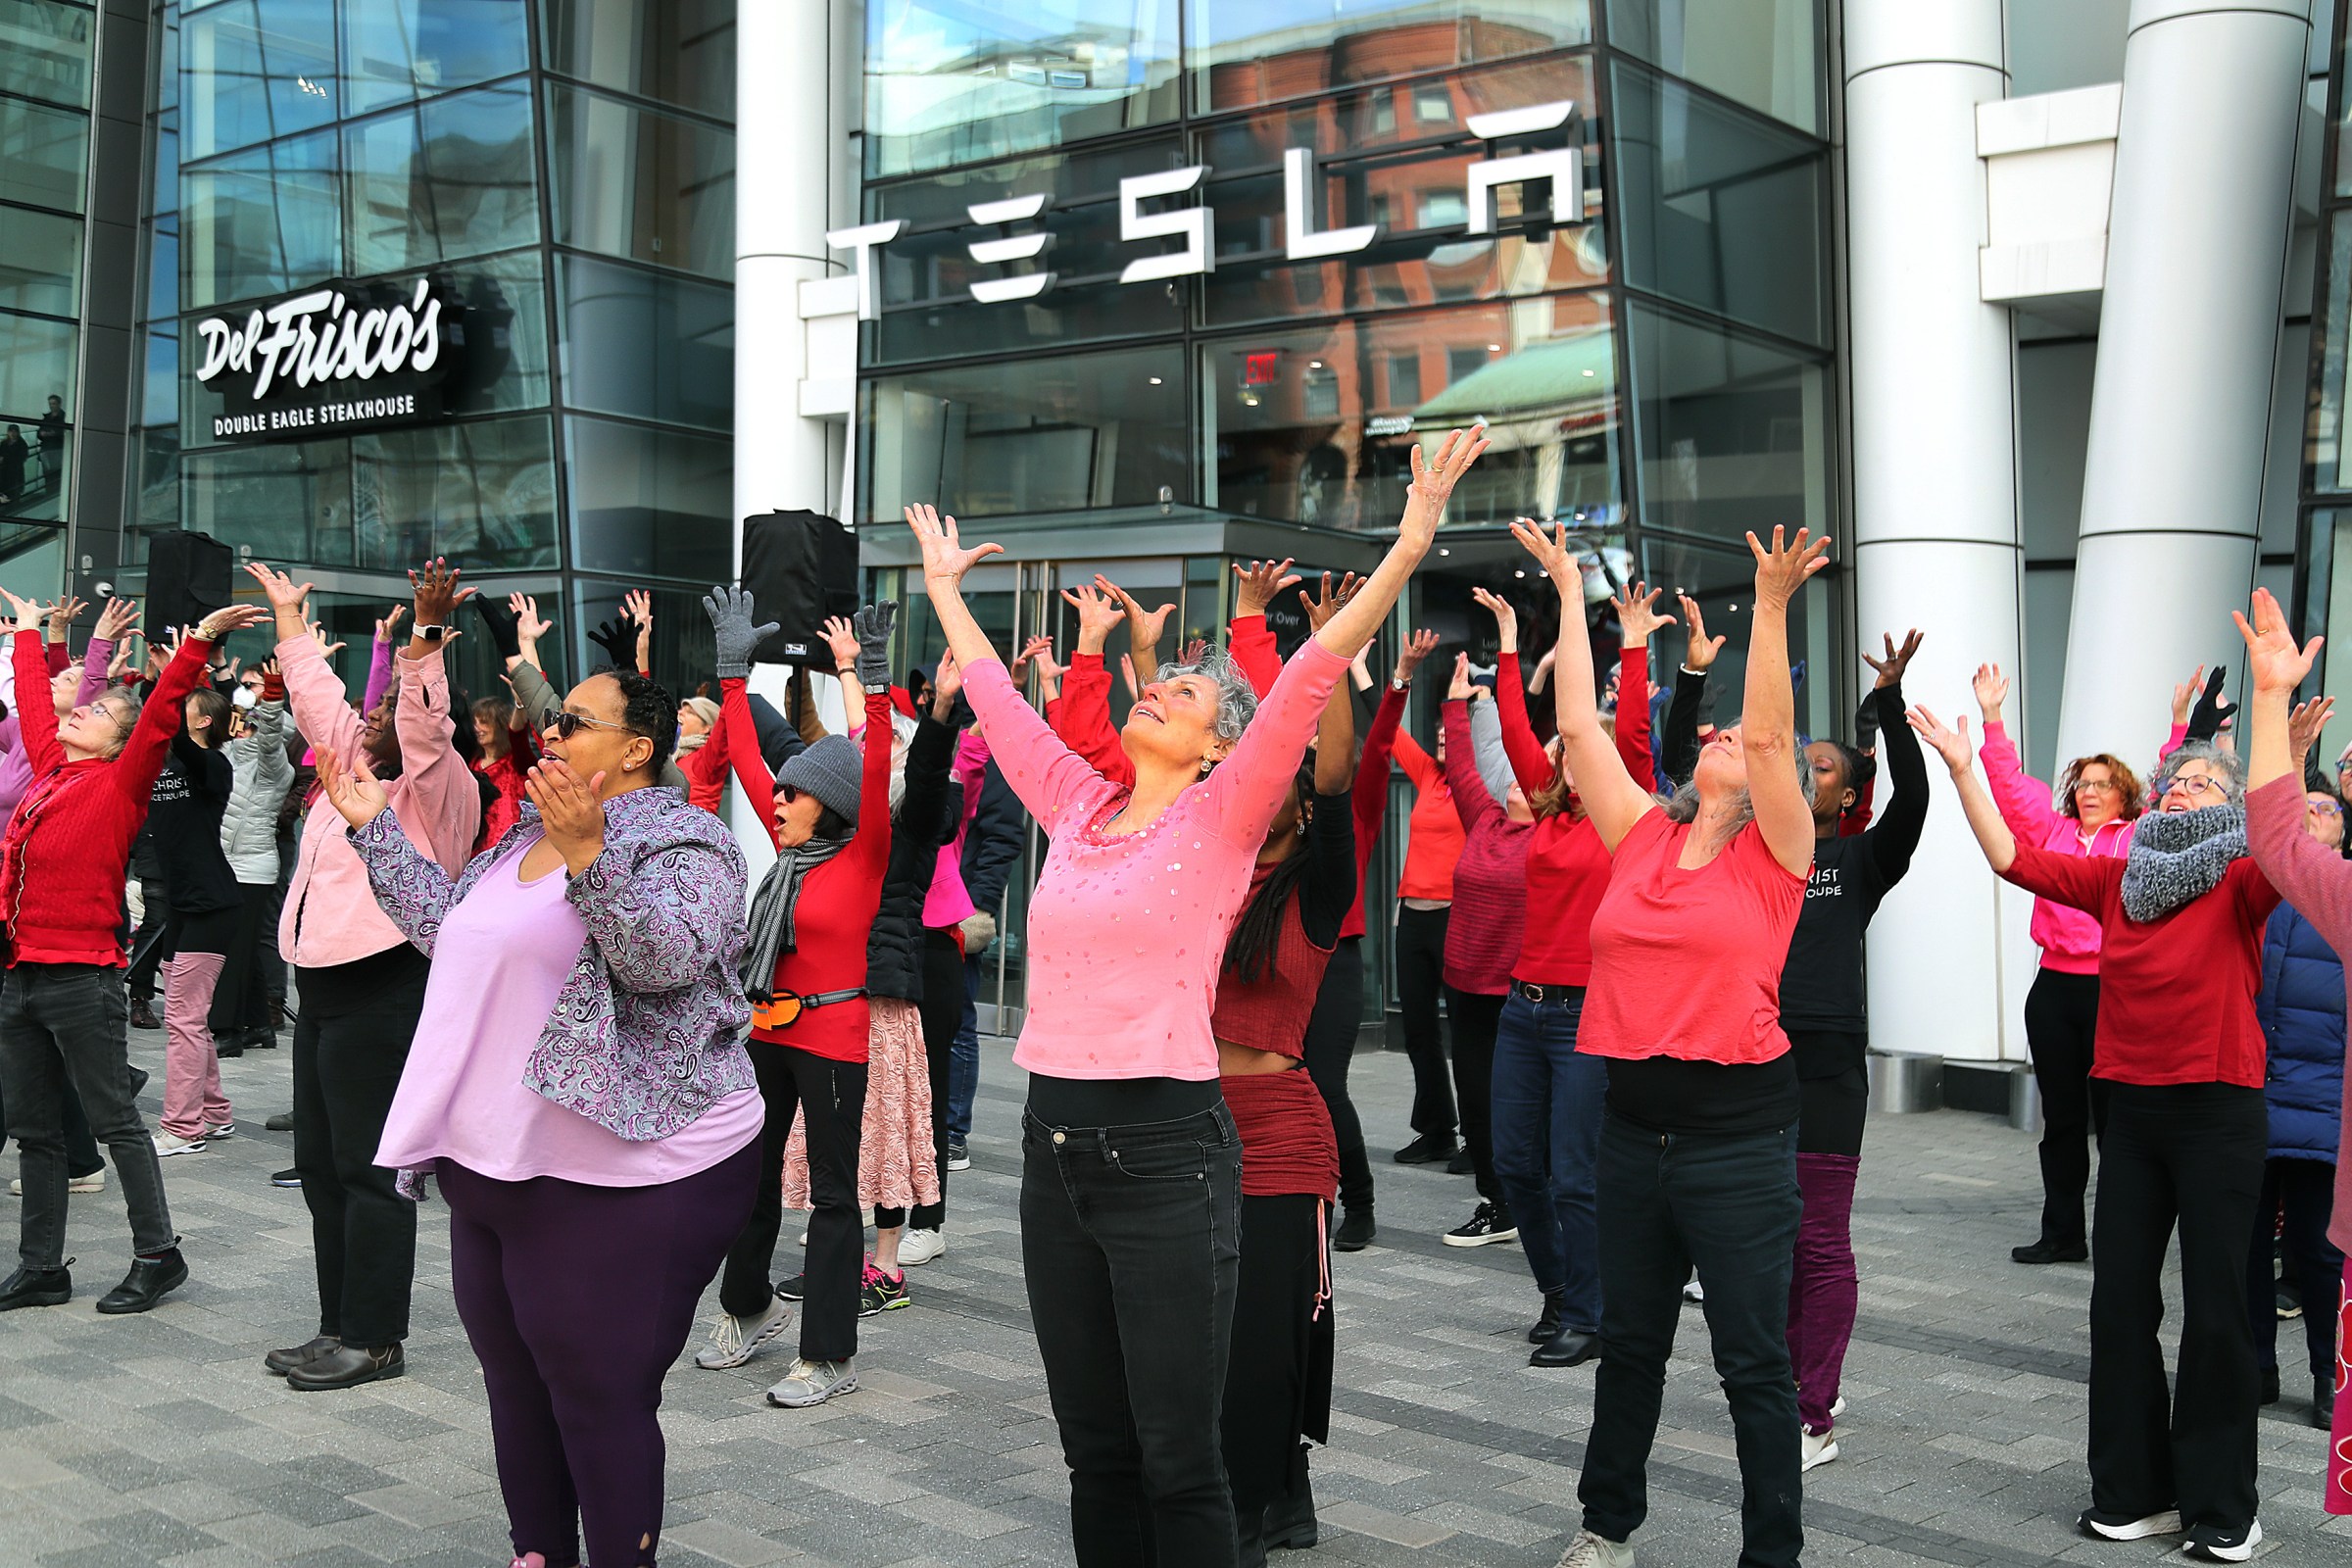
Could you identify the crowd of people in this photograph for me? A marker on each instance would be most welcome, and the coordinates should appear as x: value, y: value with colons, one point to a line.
x: 533, y: 973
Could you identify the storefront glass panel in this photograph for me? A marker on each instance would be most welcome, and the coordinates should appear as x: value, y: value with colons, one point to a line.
x: 1243, y: 52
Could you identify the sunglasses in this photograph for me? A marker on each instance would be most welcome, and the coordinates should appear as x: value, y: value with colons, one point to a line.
x: 567, y: 724
x: 787, y: 794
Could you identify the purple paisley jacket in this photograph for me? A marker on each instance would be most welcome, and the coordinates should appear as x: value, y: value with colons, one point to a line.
x: 647, y: 1031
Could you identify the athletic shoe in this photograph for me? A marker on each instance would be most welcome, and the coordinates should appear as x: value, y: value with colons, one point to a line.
x: 812, y: 1382
x: 2049, y: 1252
x: 2289, y: 1304
x: 286, y: 1178
x: 1427, y: 1150
x: 1693, y: 1290
x: 1819, y: 1447
x: 1356, y: 1232
x: 226, y: 1129
x: 880, y: 1293
x: 2101, y: 1526
x: 94, y: 1181
x: 2211, y: 1544
x: 1588, y: 1550
x: 795, y: 1289
x: 736, y: 1339
x: 959, y: 1158
x: 919, y: 1246
x: 1837, y: 1409
x: 169, y: 1144
x: 1461, y: 1164
x: 1487, y: 1224
x: 282, y: 1122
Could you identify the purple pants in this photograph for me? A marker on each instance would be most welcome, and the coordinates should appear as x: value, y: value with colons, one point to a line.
x: 1823, y: 1286
x: 577, y: 1299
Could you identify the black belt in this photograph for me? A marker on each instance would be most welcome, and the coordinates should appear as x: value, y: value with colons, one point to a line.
x: 1529, y: 990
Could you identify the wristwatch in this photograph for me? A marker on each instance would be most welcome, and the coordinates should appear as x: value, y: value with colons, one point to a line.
x: 1396, y: 685
x: 429, y: 634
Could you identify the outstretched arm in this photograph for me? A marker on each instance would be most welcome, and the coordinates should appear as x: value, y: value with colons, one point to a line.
x: 1613, y: 798
x: 1983, y: 818
x: 1425, y: 506
x: 1768, y: 721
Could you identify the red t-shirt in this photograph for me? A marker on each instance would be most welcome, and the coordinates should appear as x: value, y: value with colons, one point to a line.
x: 2176, y: 994
x: 1687, y: 964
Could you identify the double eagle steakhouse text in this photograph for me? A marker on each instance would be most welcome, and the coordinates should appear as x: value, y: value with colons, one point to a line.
x: 314, y: 338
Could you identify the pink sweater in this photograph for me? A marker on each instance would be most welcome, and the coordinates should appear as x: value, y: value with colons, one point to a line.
x: 948, y: 903
x: 1127, y: 931
x: 331, y: 916
x: 2318, y: 882
x: 2068, y: 937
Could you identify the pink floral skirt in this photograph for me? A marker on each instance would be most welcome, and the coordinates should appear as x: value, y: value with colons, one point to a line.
x: 896, y: 1166
x: 2340, y: 1439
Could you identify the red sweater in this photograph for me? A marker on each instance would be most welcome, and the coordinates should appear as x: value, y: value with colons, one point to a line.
x: 61, y: 863
x: 1490, y: 880
x: 838, y: 900
x: 1567, y: 865
x: 2176, y: 994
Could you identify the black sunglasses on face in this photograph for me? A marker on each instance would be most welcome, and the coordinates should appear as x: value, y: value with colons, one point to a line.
x: 568, y: 724
x: 787, y: 794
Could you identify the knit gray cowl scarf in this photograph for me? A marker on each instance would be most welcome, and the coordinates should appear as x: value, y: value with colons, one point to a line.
x: 770, y: 926
x: 2179, y: 856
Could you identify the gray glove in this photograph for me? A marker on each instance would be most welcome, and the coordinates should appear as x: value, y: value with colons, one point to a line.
x: 872, y: 624
x: 730, y: 613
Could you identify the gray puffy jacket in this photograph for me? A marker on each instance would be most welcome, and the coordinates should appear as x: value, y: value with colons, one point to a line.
x: 263, y: 774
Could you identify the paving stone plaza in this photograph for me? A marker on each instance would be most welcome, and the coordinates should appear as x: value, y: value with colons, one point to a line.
x: 127, y: 1443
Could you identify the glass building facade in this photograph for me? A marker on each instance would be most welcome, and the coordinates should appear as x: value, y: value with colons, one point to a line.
x: 2323, y: 563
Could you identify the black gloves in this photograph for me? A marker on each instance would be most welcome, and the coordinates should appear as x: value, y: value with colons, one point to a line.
x: 617, y: 637
x: 2205, y: 720
x: 501, y: 622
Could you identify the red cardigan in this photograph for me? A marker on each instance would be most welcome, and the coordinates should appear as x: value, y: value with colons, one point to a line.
x: 61, y: 863
x: 1490, y: 880
x: 838, y: 900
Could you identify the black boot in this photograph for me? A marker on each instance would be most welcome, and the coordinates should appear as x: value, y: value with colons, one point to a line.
x: 2270, y: 1385
x: 1571, y: 1349
x: 347, y: 1366
x: 282, y: 1362
x: 36, y: 1287
x: 1548, y: 1327
x: 2047, y: 1251
x: 2323, y: 1402
x: 1291, y: 1522
x: 142, y: 1013
x: 149, y: 1281
x: 1355, y: 1231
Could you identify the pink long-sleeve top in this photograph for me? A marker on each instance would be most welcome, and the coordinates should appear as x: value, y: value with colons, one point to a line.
x: 2068, y: 937
x: 2318, y: 882
x: 949, y: 902
x: 1127, y: 931
x: 331, y: 916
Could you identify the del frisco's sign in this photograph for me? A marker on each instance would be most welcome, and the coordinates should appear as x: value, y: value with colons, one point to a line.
x: 340, y: 356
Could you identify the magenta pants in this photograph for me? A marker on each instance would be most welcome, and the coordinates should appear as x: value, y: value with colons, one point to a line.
x: 1822, y: 1286
x: 577, y: 1299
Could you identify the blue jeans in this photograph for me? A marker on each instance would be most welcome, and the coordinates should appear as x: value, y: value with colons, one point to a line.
x: 1546, y: 1104
x: 963, y: 1059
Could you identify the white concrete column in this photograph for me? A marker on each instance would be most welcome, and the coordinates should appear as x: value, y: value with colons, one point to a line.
x: 2180, y: 404
x: 1935, y: 540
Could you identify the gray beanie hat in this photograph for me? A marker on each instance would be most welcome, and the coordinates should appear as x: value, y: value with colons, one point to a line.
x: 832, y: 770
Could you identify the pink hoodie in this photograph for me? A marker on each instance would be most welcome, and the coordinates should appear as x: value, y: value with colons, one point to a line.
x: 2069, y: 939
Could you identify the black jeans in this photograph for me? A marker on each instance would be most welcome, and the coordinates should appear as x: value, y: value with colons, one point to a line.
x: 2306, y: 1189
x: 349, y: 1046
x: 241, y: 1002
x: 61, y: 1026
x: 1420, y: 979
x: 2191, y: 1155
x: 1475, y: 1020
x: 1330, y: 1031
x: 1727, y: 1204
x: 82, y: 1150
x: 1131, y: 1241
x: 831, y: 1097
x: 943, y: 1016
x: 147, y: 950
x: 2062, y: 1014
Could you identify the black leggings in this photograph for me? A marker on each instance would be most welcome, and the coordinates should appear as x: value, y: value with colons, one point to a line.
x: 1420, y: 979
x: 2062, y: 1018
x: 1475, y: 1020
x: 1330, y: 1031
x: 1833, y: 1081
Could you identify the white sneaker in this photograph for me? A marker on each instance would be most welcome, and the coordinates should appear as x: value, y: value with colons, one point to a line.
x: 1692, y: 1292
x: 228, y: 1129
x: 736, y: 1339
x: 2111, y: 1527
x: 812, y: 1382
x: 1820, y: 1448
x: 1588, y: 1550
x: 2207, y: 1545
x: 169, y: 1144
x: 94, y: 1181
x: 917, y: 1248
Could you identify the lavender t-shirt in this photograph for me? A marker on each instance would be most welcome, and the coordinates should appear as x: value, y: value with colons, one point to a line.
x: 502, y: 955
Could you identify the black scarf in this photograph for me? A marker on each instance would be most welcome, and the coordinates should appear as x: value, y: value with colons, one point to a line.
x: 769, y: 928
x: 2179, y: 856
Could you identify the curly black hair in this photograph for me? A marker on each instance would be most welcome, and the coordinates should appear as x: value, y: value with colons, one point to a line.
x: 648, y: 710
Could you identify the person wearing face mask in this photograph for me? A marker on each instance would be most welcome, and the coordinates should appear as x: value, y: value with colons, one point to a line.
x: 363, y: 982
x: 2180, y: 1051
x: 2098, y: 801
x: 804, y: 967
x: 579, y: 1090
x: 263, y: 774
x: 1132, y: 1167
x: 1546, y: 1096
x: 63, y: 1015
x: 2317, y: 881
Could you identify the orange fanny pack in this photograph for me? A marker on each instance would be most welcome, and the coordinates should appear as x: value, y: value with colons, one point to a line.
x: 786, y: 1006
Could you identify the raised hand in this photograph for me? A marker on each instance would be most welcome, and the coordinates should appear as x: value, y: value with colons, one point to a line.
x: 731, y: 628
x: 2303, y: 726
x: 1327, y: 602
x: 872, y: 624
x: 1552, y: 553
x: 437, y: 592
x: 118, y: 662
x: 1433, y: 479
x: 25, y: 613
x: 117, y: 617
x: 1698, y: 649
x: 1950, y: 743
x: 1135, y: 687
x: 1993, y: 690
x: 2206, y: 719
x: 1260, y: 581
x: 1459, y: 690
x: 2185, y: 691
x: 528, y: 627
x: 842, y: 638
x: 1018, y: 669
x: 1507, y: 618
x: 1416, y: 649
x: 1098, y: 614
x: 947, y: 682
x: 617, y: 637
x: 1142, y: 625
x: 282, y: 591
x: 229, y: 617
x: 1890, y: 669
x: 326, y: 648
x: 62, y: 613
x: 501, y: 620
x: 387, y: 625
x: 2273, y: 658
x: 1782, y: 569
x: 354, y: 791
x: 945, y: 558
x: 569, y: 810
x: 1637, y: 607
x: 637, y: 605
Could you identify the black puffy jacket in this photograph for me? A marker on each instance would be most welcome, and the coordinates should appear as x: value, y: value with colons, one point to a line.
x: 927, y: 812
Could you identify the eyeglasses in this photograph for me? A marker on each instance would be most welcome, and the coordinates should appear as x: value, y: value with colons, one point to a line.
x: 2097, y: 786
x: 567, y: 724
x: 2198, y: 784
x: 2323, y: 809
x: 103, y: 711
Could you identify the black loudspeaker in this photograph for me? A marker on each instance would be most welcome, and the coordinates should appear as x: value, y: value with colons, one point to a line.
x: 187, y: 578
x: 800, y: 568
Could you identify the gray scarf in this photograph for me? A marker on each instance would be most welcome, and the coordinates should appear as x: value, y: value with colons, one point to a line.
x: 770, y: 926
x: 2179, y: 856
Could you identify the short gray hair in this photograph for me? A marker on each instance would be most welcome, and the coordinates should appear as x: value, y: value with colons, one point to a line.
x: 1237, y: 699
x: 1683, y: 805
x: 2225, y: 766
